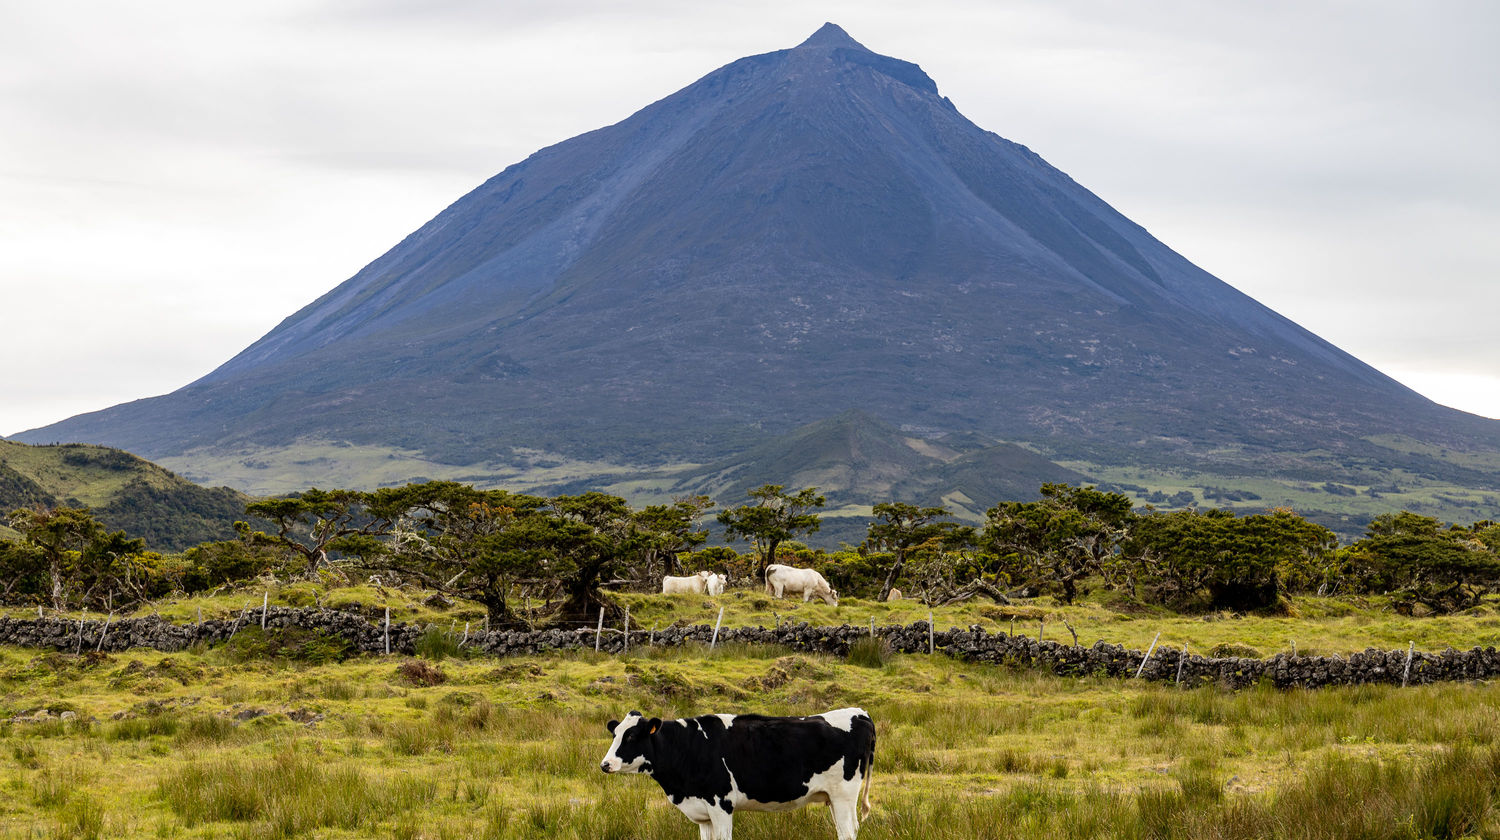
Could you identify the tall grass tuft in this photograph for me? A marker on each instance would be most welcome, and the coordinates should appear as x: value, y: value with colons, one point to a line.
x: 293, y: 795
x: 81, y: 818
x: 436, y: 644
x: 138, y: 728
x: 869, y: 652
x: 207, y: 729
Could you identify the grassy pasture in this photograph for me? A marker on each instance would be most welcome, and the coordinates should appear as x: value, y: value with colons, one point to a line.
x: 210, y: 744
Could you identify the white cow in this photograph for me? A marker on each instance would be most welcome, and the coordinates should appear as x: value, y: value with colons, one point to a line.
x: 790, y: 580
x: 702, y: 583
x: 895, y: 595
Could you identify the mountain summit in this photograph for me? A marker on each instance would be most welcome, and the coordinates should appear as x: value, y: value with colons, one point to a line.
x: 831, y: 35
x: 795, y: 235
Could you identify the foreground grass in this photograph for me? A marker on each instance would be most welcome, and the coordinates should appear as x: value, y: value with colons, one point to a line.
x: 204, y: 745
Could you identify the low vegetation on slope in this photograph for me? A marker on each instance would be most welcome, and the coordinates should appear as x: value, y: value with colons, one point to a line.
x: 124, y: 492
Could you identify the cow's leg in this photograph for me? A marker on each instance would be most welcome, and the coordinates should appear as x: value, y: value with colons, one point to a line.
x: 806, y: 595
x: 705, y: 831
x: 845, y: 816
x: 723, y: 824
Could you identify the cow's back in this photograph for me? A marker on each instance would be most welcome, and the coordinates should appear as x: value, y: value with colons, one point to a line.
x: 779, y: 760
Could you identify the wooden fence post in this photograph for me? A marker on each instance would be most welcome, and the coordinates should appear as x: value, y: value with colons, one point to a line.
x: 1147, y: 657
x: 1181, y: 659
x: 265, y: 603
x: 930, y: 631
x: 712, y: 643
x: 104, y: 632
x: 627, y: 631
x: 240, y: 619
x: 1406, y: 673
x: 599, y: 631
x: 387, y: 629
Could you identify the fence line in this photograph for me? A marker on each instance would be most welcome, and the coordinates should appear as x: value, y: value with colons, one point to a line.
x: 1163, y: 664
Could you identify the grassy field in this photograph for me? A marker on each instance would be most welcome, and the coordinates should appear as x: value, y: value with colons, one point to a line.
x: 225, y: 743
x: 284, y: 469
x: 1365, y: 493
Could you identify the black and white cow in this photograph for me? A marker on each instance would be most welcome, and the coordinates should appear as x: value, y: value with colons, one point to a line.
x: 714, y: 765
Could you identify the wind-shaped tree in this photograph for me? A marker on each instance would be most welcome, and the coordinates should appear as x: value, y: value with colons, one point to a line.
x: 774, y: 517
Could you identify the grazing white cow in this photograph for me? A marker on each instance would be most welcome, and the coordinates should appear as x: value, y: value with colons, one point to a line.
x: 690, y: 585
x: 895, y: 595
x: 790, y: 580
x: 714, y: 765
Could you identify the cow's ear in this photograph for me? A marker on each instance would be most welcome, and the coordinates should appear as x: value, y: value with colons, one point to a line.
x: 655, y: 724
x: 611, y: 726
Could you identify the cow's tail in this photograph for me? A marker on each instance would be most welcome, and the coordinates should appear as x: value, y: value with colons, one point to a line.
x: 766, y: 576
x: 864, y: 791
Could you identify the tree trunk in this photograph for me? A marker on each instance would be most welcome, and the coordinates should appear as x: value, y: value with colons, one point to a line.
x: 498, y: 610
x: 769, y: 557
x: 892, y: 576
x: 316, y: 560
x: 583, y: 605
x: 59, y: 599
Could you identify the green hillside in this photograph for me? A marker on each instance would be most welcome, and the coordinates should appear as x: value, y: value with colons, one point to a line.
x: 125, y: 492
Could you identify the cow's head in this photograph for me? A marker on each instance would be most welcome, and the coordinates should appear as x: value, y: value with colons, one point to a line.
x: 632, y: 750
x: 831, y: 597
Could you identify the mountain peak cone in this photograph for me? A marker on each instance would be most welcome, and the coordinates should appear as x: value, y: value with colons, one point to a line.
x: 831, y: 35
x: 796, y: 234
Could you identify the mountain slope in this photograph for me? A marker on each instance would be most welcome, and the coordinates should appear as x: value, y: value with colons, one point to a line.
x: 124, y: 492
x: 857, y: 458
x: 795, y: 235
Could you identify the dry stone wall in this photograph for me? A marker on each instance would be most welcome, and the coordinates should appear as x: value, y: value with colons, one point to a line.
x: 973, y: 644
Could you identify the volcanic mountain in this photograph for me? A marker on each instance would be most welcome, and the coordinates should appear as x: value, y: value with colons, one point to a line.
x: 796, y: 235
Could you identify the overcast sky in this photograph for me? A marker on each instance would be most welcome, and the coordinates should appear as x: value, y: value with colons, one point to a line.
x: 177, y: 176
